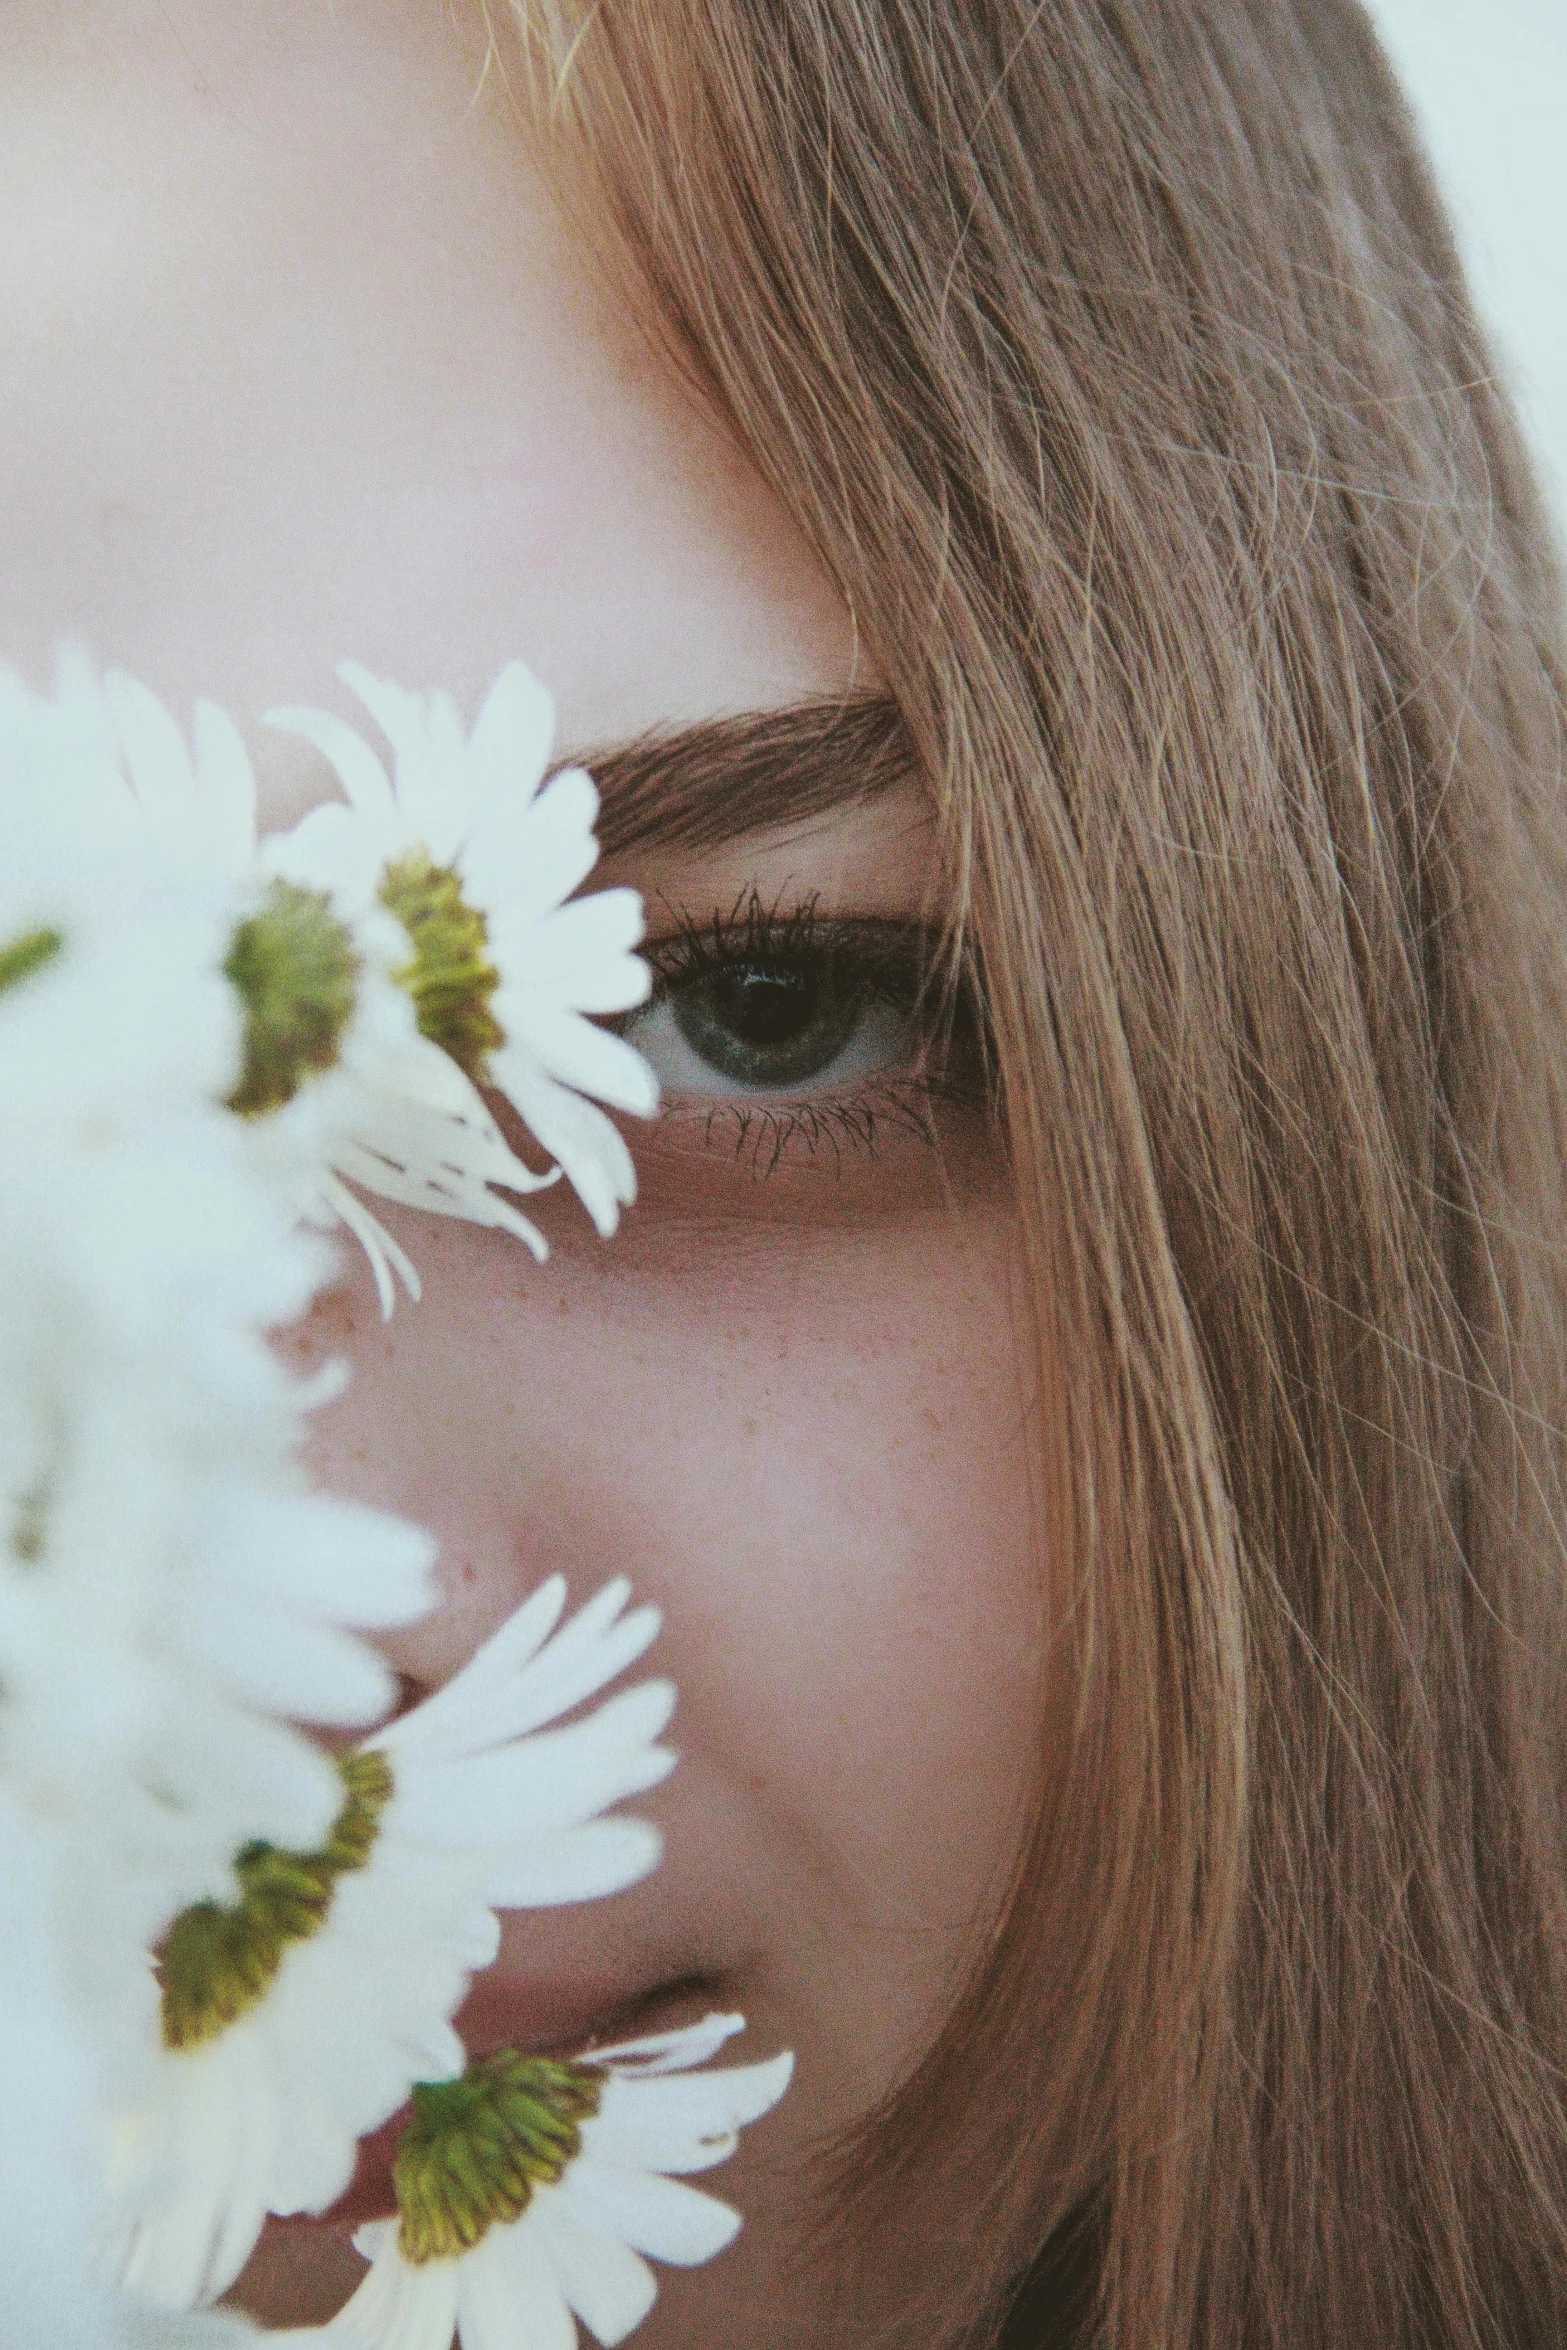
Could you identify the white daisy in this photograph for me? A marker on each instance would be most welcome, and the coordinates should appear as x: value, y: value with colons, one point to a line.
x: 296, y: 2021
x: 477, y: 855
x: 169, y: 1593
x: 533, y: 2192
x: 338, y: 1085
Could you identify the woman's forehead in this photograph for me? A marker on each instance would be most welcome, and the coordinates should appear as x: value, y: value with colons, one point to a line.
x: 297, y: 364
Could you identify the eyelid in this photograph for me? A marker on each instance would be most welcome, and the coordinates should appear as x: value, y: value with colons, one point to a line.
x: 890, y: 948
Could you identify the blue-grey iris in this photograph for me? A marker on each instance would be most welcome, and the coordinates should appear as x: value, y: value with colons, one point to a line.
x: 769, y: 1024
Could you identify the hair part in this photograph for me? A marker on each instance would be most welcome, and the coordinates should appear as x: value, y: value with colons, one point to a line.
x: 1115, y: 358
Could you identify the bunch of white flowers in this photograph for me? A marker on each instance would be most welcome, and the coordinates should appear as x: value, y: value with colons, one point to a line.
x: 227, y: 1955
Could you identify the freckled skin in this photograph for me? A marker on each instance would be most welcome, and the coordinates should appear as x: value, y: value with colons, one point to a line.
x: 296, y: 365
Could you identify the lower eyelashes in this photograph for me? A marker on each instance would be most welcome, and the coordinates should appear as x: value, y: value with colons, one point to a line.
x: 824, y: 1129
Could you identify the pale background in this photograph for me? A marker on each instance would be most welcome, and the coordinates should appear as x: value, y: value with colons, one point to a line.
x: 1489, y: 82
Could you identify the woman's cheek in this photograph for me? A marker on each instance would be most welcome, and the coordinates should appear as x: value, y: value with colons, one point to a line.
x: 845, y: 1515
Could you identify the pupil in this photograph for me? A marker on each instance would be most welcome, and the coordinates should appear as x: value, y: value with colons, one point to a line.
x: 765, y: 1007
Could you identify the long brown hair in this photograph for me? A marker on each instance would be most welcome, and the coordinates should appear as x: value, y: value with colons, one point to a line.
x: 1115, y: 357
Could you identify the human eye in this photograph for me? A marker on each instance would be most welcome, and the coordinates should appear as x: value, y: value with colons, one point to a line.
x: 784, y: 1033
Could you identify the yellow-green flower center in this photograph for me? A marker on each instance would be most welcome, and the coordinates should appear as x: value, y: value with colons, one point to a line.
x: 220, y: 1958
x: 477, y: 2148
x: 450, y: 975
x: 297, y: 973
x: 21, y: 957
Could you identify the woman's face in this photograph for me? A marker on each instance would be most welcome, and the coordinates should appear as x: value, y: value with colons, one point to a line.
x: 297, y: 365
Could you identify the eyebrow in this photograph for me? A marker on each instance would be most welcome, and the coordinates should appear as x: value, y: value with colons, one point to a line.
x: 703, y: 785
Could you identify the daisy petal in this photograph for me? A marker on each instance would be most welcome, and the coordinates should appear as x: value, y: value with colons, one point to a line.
x: 425, y: 732
x: 587, y: 1144
x: 459, y: 1150
x: 509, y: 2298
x: 610, y: 2286
x: 228, y: 788
x: 155, y: 753
x: 598, y: 1643
x: 582, y: 1863
x: 215, y: 2130
x: 346, y: 1563
x: 655, y: 2215
x: 384, y: 1255
x: 412, y: 1069
x: 593, y: 1649
x: 399, y: 2307
x: 443, y: 1720
x: 309, y: 1672
x: 425, y: 1190
x: 565, y: 1046
x: 549, y: 1781
x: 582, y: 955
x: 510, y: 745
x: 661, y: 2053
x: 331, y: 849
x: 512, y: 1709
x: 686, y: 2122
x: 358, y: 770
x: 420, y: 1106
x: 531, y: 854
x: 374, y: 2238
